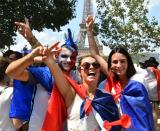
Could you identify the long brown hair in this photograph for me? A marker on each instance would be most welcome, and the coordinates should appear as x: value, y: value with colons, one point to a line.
x: 131, y: 69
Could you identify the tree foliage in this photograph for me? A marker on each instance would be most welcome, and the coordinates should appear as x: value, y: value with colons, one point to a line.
x: 51, y: 14
x: 125, y: 23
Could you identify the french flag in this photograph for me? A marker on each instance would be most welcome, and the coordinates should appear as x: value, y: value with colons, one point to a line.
x: 134, y: 101
x: 57, y: 112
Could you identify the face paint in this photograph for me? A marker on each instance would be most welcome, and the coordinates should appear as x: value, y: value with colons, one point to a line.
x: 64, y: 57
x: 67, y: 59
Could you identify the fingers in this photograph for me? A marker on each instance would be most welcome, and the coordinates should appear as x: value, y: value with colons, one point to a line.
x: 58, y: 49
x: 38, y: 59
x: 21, y: 28
x: 27, y: 23
x: 19, y: 24
x: 24, y: 29
x: 89, y: 18
x: 89, y: 21
x: 26, y: 20
x: 44, y: 50
x: 54, y: 45
x: 94, y: 17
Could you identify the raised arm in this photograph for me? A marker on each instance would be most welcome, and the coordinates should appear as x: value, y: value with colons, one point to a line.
x: 62, y: 84
x: 93, y: 46
x: 17, y: 69
x: 25, y: 30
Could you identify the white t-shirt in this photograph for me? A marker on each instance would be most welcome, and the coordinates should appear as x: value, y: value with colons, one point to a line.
x: 5, y: 100
x: 39, y: 109
x: 74, y: 123
x: 149, y: 80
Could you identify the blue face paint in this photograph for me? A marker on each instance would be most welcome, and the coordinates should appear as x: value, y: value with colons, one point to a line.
x: 68, y: 54
x: 67, y: 59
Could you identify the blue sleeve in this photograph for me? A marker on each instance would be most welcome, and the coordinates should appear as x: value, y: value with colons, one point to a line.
x: 31, y: 80
x: 43, y: 76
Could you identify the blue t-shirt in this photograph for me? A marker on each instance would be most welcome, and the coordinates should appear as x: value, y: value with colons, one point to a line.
x: 22, y: 100
x: 23, y: 93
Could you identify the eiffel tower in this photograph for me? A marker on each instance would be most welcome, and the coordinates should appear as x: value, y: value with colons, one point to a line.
x: 84, y: 49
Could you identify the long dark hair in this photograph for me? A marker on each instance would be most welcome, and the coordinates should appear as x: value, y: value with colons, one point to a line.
x: 4, y: 62
x: 131, y: 69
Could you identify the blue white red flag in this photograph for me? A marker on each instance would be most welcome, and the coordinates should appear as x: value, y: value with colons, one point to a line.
x: 134, y: 101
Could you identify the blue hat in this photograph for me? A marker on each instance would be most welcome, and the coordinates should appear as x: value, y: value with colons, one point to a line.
x: 69, y: 41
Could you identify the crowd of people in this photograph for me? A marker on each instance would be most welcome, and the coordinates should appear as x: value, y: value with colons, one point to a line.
x: 60, y: 96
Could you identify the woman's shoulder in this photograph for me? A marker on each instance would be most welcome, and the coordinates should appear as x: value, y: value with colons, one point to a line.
x: 102, y: 84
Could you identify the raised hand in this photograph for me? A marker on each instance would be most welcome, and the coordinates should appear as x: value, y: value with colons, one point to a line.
x: 50, y: 53
x: 45, y: 54
x: 89, y: 22
x: 24, y: 29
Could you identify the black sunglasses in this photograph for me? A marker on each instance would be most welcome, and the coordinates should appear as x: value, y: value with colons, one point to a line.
x: 87, y: 65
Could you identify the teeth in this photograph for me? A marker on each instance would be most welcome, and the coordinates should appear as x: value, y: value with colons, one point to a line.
x: 91, y: 74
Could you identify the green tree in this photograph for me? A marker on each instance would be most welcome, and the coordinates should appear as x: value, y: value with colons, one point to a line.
x: 125, y: 23
x: 51, y: 14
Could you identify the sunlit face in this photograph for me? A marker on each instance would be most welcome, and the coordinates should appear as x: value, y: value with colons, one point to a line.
x: 67, y: 59
x: 119, y: 64
x: 89, y: 70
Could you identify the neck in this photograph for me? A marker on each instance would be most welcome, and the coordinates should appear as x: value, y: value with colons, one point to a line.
x: 91, y: 88
x: 66, y: 72
x: 123, y: 81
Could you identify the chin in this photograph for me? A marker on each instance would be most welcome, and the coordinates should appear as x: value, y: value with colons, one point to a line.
x: 67, y: 69
x: 91, y: 80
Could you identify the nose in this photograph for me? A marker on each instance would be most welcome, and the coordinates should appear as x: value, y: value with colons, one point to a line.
x: 119, y: 64
x: 91, y: 66
x: 68, y: 59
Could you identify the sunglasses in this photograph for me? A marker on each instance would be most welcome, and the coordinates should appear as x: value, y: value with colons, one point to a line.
x: 87, y: 65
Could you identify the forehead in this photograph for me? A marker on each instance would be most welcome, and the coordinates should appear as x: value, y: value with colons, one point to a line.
x: 118, y: 56
x: 67, y: 51
x: 88, y: 59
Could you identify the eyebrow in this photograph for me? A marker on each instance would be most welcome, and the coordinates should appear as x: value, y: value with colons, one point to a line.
x: 120, y: 59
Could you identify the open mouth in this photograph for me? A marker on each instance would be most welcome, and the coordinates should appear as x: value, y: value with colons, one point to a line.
x: 91, y: 74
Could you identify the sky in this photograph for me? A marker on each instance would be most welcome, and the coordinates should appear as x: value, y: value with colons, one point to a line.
x: 48, y: 37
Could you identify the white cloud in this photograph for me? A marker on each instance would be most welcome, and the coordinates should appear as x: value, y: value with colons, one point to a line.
x: 153, y: 3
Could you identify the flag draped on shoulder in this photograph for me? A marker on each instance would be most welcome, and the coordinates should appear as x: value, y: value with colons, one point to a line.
x: 110, y: 85
x: 134, y: 101
x: 57, y: 111
x: 105, y: 106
